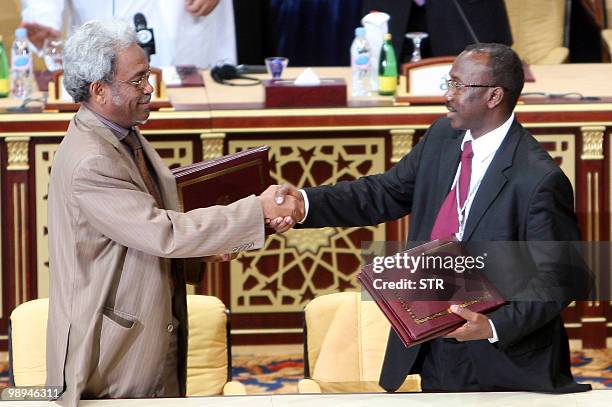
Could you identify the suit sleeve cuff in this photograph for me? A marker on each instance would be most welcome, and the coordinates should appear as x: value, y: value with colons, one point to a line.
x: 306, y: 205
x: 494, y: 338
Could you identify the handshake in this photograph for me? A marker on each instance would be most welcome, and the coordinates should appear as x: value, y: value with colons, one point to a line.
x: 283, y: 206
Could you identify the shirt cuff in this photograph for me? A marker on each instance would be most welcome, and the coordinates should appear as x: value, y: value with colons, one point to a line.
x: 494, y: 338
x: 306, y: 205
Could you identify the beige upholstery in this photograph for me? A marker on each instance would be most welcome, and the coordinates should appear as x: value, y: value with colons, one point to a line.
x: 207, y: 360
x: 28, y: 336
x: 207, y: 357
x: 346, y: 340
x: 538, y: 30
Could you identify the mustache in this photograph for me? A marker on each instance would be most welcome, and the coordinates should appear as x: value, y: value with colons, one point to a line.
x: 145, y: 99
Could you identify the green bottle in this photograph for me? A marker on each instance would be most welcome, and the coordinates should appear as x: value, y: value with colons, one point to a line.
x: 387, y: 70
x: 4, y: 72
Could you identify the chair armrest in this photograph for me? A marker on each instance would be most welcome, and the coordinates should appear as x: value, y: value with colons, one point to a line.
x: 306, y: 386
x: 606, y: 35
x: 234, y: 388
x: 557, y: 55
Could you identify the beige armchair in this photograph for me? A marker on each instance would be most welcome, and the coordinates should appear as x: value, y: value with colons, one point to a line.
x: 209, y: 367
x: 540, y: 30
x: 27, y: 343
x: 208, y: 359
x: 345, y: 342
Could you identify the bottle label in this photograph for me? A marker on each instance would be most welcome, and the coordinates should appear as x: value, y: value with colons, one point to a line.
x: 21, y: 63
x: 387, y: 84
x: 4, y: 86
x: 362, y: 60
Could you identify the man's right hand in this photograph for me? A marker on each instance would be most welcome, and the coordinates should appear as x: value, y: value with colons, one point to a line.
x: 281, y: 215
x: 38, y: 33
x: 281, y: 194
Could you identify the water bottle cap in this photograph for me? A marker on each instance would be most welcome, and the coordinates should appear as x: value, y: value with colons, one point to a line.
x: 21, y: 33
x: 360, y: 32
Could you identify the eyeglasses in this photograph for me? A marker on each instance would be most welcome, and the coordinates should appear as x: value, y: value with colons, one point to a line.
x: 138, y: 83
x: 452, y: 84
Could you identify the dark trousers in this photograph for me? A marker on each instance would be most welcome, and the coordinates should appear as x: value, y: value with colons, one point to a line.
x: 447, y: 367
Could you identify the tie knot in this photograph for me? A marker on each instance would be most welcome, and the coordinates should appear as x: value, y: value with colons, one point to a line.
x: 132, y: 141
x: 467, y: 150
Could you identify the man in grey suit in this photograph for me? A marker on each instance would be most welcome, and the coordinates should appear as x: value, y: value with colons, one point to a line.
x: 512, y: 191
x: 117, y: 305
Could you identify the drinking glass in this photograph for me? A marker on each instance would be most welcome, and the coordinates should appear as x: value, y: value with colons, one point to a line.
x: 52, y: 54
x: 276, y: 65
x: 416, y: 38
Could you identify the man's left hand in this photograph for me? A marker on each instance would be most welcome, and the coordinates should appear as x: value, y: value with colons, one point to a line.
x: 477, y: 325
x: 200, y: 7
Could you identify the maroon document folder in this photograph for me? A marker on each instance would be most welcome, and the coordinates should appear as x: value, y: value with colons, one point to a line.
x: 418, y: 315
x: 223, y: 180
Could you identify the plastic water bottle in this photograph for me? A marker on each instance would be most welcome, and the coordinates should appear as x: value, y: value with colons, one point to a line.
x: 21, y: 65
x: 360, y: 64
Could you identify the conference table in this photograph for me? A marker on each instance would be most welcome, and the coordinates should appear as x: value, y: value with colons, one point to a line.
x: 267, y: 289
x: 593, y: 398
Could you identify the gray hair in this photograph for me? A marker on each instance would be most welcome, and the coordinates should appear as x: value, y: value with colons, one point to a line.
x: 90, y: 55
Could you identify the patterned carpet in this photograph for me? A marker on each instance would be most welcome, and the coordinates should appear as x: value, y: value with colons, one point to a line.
x: 280, y: 374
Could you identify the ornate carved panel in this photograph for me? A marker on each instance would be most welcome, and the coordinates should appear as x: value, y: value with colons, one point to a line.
x: 17, y: 148
x: 592, y: 142
x: 299, y: 265
x: 562, y: 148
x: 212, y: 145
x: 401, y: 142
x: 174, y: 153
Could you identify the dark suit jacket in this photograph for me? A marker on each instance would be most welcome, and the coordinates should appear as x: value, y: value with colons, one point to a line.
x: 448, y: 34
x: 524, y: 196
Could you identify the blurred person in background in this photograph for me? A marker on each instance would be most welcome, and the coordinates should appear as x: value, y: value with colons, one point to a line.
x: 186, y: 32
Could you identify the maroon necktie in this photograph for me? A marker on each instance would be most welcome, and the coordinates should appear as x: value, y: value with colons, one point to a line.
x: 447, y: 221
x: 141, y: 162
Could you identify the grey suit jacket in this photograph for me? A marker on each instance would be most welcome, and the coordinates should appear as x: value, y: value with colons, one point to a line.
x: 111, y: 298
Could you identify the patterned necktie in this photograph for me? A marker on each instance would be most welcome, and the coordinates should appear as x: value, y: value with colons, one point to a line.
x: 447, y: 221
x: 141, y: 162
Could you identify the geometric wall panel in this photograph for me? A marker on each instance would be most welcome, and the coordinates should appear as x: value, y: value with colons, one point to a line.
x: 294, y: 267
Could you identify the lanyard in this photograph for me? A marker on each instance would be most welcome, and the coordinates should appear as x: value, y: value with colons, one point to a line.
x: 462, y: 209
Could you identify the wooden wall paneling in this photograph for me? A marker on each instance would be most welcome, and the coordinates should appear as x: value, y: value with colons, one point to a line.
x: 590, y: 210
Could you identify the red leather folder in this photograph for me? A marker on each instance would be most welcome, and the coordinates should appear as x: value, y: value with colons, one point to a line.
x: 417, y: 315
x: 223, y: 180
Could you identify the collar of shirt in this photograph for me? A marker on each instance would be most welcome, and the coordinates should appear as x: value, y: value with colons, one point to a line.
x: 487, y: 144
x: 119, y: 131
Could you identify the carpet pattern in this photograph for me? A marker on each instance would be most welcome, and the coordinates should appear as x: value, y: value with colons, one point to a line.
x: 280, y: 374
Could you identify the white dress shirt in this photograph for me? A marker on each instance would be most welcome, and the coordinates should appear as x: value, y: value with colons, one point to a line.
x: 484, y: 148
x: 180, y: 38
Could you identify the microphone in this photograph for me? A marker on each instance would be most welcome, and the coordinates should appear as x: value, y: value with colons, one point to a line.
x: 145, y: 37
x: 466, y: 22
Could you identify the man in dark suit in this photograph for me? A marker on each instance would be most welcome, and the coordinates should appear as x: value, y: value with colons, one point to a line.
x: 448, y: 33
x: 514, y: 192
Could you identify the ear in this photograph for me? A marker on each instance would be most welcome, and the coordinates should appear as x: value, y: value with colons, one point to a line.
x: 496, y: 97
x: 98, y: 92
